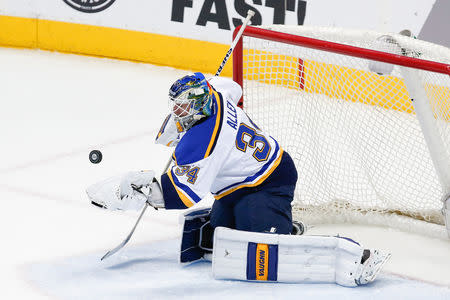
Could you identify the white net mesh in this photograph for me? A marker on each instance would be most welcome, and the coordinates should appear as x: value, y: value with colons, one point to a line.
x: 353, y: 134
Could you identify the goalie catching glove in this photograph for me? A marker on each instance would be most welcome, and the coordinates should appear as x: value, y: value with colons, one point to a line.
x: 127, y: 192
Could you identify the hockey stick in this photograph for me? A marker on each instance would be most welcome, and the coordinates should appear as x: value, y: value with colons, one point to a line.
x: 250, y: 14
x: 125, y: 241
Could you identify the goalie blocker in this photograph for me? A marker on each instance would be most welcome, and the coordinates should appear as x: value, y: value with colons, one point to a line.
x: 250, y: 256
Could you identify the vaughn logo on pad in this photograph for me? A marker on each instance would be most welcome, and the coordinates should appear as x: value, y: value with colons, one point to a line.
x: 89, y: 6
x: 262, y: 262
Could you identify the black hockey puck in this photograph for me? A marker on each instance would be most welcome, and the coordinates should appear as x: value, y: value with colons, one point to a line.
x: 95, y: 156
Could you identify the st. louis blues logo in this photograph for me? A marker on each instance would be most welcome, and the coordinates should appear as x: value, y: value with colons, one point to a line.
x: 89, y: 6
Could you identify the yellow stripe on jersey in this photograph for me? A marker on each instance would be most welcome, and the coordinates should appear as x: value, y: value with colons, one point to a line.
x: 260, y: 180
x: 163, y: 126
x: 182, y: 196
x: 215, y: 134
x: 262, y: 261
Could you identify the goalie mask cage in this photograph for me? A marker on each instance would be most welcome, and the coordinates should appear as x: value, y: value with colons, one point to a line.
x: 365, y: 153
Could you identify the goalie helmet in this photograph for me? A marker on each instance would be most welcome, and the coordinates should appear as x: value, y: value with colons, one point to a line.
x: 190, y: 100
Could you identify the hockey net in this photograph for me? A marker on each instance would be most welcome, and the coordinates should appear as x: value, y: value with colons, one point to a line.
x: 349, y: 123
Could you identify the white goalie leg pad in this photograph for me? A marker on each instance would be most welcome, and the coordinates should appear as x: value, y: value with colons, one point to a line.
x: 242, y: 255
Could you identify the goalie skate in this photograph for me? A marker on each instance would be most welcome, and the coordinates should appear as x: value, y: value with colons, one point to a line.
x: 369, y: 269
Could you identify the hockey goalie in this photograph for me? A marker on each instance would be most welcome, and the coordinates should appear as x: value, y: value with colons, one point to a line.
x: 248, y: 233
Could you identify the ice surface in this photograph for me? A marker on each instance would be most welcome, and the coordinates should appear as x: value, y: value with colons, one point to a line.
x: 55, y: 108
x: 152, y: 272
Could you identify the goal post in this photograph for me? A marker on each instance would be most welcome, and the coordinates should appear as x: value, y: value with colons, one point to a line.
x: 365, y: 116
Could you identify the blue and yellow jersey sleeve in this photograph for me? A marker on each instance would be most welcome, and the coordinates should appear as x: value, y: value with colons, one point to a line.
x: 200, y: 141
x: 176, y: 194
x: 190, y: 179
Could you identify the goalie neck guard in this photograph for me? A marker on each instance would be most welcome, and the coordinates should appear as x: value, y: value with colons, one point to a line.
x: 190, y: 100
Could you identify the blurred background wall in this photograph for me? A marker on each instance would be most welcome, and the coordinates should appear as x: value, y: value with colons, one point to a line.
x: 195, y: 34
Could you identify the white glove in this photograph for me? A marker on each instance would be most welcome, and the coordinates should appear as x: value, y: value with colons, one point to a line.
x: 127, y: 192
x: 133, y: 181
x: 156, y: 198
x: 138, y: 187
x: 168, y: 135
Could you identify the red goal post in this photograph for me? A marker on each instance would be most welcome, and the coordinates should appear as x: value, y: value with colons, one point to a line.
x: 287, y: 38
x: 367, y: 153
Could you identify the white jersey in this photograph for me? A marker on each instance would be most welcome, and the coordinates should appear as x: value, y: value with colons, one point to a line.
x: 221, y: 154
